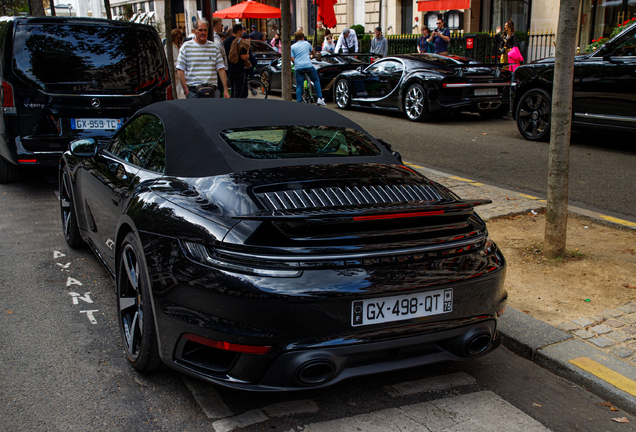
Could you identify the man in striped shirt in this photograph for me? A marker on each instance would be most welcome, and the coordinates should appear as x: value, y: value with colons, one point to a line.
x: 199, y: 61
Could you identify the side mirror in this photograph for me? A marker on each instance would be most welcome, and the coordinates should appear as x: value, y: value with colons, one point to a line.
x: 84, y: 147
x: 360, y: 69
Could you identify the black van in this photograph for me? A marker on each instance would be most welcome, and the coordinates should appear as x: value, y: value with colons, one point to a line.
x: 69, y: 78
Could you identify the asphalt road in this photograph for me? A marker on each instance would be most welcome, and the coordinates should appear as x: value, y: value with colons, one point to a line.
x: 62, y: 366
x: 492, y: 151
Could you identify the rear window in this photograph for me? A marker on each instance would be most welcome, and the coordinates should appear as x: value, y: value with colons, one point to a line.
x: 82, y: 58
x: 278, y: 142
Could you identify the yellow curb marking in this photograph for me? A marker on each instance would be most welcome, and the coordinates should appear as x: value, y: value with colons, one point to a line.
x: 530, y: 197
x: 619, y: 221
x: 606, y: 374
x: 473, y: 182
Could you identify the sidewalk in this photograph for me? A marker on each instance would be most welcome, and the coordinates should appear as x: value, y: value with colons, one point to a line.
x: 570, y: 351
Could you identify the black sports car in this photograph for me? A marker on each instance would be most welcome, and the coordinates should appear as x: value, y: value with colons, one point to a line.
x: 422, y: 85
x: 264, y: 54
x: 263, y: 252
x: 328, y: 68
x: 604, y: 92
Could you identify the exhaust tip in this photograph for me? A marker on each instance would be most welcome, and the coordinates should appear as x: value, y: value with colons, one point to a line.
x: 316, y: 372
x: 478, y: 344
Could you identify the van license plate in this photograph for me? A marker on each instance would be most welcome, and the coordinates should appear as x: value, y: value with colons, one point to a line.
x: 95, y: 123
x: 486, y: 92
x: 400, y: 308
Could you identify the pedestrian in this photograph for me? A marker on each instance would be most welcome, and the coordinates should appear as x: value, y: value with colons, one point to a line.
x: 177, y: 41
x: 237, y: 49
x: 440, y: 37
x: 217, y: 39
x: 379, y: 45
x: 507, y: 42
x: 328, y: 44
x: 348, y: 42
x: 300, y: 55
x: 199, y: 62
x: 256, y: 35
x: 276, y: 42
x: 423, y: 45
x: 273, y: 31
x: 320, y: 36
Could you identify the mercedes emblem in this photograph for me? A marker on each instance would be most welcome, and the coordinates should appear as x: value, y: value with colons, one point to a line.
x: 95, y: 102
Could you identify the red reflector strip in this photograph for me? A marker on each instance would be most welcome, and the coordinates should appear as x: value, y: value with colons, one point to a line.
x: 29, y: 161
x: 226, y: 346
x: 398, y: 215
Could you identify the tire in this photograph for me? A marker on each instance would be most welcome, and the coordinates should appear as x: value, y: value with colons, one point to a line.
x: 136, y: 320
x: 342, y: 94
x: 9, y: 173
x: 534, y: 115
x: 67, y: 211
x: 308, y: 94
x: 415, y: 106
x: 256, y: 89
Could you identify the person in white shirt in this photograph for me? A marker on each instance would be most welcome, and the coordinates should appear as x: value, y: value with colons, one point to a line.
x: 348, y: 41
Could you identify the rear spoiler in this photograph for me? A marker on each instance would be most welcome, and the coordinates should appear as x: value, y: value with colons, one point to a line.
x: 498, y: 67
x: 374, y: 213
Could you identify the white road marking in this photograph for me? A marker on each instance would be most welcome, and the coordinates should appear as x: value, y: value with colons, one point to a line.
x: 245, y: 419
x: 64, y: 266
x: 89, y: 314
x: 207, y: 397
x: 57, y: 254
x: 430, y: 384
x: 70, y: 281
x: 85, y: 298
x: 475, y: 412
x: 291, y: 407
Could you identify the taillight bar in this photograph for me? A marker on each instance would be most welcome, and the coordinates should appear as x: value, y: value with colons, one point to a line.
x: 398, y: 215
x: 8, y: 102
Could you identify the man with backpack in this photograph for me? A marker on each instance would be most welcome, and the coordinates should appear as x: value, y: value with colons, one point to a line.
x: 237, y: 50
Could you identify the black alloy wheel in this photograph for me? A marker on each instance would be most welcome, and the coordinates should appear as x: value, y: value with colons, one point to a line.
x: 136, y: 320
x: 67, y: 210
x: 415, y: 103
x: 533, y: 115
x: 342, y: 94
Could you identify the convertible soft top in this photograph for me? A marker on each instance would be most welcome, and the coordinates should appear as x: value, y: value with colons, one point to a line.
x: 194, y: 147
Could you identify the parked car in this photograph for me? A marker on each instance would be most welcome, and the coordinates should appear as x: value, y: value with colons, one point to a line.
x: 264, y: 54
x: 68, y: 78
x: 603, y: 92
x: 425, y: 85
x: 263, y: 252
x: 328, y: 68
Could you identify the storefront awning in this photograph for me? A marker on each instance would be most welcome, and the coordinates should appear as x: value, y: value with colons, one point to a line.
x: 436, y: 5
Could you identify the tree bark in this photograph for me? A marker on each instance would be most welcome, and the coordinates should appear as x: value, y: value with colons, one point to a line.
x: 559, y: 164
x: 285, y: 36
x: 168, y: 25
x: 37, y: 8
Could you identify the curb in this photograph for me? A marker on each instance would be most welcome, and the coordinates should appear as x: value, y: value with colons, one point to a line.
x: 555, y: 351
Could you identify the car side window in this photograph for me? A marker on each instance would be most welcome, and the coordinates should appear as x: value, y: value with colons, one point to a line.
x: 157, y: 159
x: 135, y: 141
x: 626, y: 46
x: 392, y: 66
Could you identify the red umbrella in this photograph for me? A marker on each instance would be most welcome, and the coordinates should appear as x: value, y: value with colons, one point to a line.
x: 326, y: 14
x: 248, y: 9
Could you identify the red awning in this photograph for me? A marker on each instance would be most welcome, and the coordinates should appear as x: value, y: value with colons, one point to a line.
x: 248, y: 9
x: 326, y: 12
x: 436, y: 5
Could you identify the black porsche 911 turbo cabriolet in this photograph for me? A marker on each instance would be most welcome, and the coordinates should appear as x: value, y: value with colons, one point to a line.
x: 264, y: 252
x: 423, y: 85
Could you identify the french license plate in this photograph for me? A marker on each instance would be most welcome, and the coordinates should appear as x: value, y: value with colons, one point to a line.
x: 402, y: 307
x: 95, y: 123
x: 486, y: 92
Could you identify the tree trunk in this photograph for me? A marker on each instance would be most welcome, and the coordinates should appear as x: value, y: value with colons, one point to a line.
x: 109, y: 14
x: 168, y: 25
x: 556, y: 219
x: 37, y: 8
x: 285, y: 49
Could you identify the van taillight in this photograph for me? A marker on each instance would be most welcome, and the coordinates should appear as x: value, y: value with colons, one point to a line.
x: 8, y: 103
x: 169, y: 92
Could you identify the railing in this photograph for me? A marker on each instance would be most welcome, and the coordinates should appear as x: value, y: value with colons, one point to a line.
x: 485, y: 46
